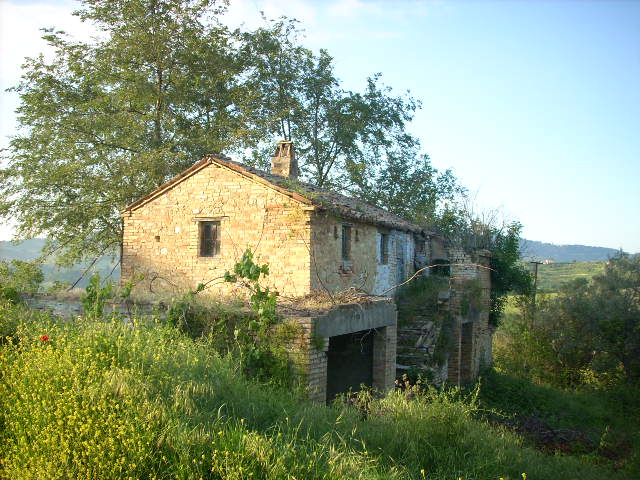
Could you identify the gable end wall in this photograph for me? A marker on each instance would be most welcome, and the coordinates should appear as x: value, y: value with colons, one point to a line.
x: 161, y: 237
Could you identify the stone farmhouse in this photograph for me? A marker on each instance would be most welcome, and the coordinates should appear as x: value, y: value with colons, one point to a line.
x: 196, y: 226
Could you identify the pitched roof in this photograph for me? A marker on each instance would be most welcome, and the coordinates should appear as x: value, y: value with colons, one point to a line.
x: 341, y: 205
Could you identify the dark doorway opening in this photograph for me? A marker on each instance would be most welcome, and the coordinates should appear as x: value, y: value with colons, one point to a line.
x: 349, y: 362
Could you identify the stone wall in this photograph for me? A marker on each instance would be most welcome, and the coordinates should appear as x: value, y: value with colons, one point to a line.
x: 463, y: 307
x: 303, y: 247
x: 161, y: 237
x: 328, y: 270
x: 366, y: 269
x: 68, y: 308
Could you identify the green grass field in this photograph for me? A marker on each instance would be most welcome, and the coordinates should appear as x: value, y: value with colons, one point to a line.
x: 100, y: 399
x: 552, y: 276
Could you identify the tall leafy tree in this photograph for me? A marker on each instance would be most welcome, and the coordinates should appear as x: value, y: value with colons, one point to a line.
x: 106, y: 122
x: 356, y: 142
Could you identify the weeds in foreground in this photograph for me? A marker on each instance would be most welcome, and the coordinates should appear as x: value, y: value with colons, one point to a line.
x: 107, y: 400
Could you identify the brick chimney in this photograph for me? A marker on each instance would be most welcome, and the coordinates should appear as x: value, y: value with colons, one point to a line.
x: 284, y: 162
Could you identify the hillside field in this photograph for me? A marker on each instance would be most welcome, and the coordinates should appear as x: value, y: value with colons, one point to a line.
x: 552, y: 276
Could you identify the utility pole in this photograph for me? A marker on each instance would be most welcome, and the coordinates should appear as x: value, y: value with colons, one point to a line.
x: 535, y: 289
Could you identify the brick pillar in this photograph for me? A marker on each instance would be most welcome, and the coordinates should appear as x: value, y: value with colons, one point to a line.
x: 468, y: 367
x: 453, y: 364
x: 309, y: 362
x: 317, y: 373
x: 384, y: 358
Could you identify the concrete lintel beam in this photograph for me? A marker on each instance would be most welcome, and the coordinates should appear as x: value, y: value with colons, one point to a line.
x: 356, y: 318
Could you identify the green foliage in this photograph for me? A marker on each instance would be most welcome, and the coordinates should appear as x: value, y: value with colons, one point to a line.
x: 9, y: 319
x: 593, y: 424
x: 343, y: 139
x: 107, y: 400
x: 554, y: 344
x: 91, y: 120
x: 9, y: 294
x: 408, y: 185
x: 263, y: 301
x: 484, y: 231
x: 615, y: 297
x: 98, y: 292
x: 587, y: 334
x: 508, y: 275
x: 96, y: 296
x: 20, y: 276
x: 420, y: 297
x: 262, y: 344
x: 156, y: 92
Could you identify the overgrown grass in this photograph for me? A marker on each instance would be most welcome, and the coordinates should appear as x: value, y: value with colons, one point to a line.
x: 105, y: 400
x: 597, y: 419
x: 596, y: 425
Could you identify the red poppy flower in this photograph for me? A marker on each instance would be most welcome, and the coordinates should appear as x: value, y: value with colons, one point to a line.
x: 44, y: 338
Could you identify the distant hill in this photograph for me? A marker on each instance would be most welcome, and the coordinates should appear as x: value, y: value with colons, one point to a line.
x: 30, y: 250
x: 532, y: 250
x: 27, y: 250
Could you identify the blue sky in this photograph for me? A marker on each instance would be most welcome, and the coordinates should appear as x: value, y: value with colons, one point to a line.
x: 534, y: 105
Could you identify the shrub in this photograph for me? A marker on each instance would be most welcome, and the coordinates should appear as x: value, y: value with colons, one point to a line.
x: 586, y: 335
x: 9, y: 294
x: 20, y: 276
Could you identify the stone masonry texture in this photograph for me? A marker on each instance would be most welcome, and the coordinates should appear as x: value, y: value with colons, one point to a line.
x: 161, y: 238
x: 302, y: 244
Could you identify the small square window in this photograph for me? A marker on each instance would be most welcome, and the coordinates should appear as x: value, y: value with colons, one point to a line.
x: 384, y: 248
x: 209, y: 239
x: 420, y: 246
x: 346, y: 242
